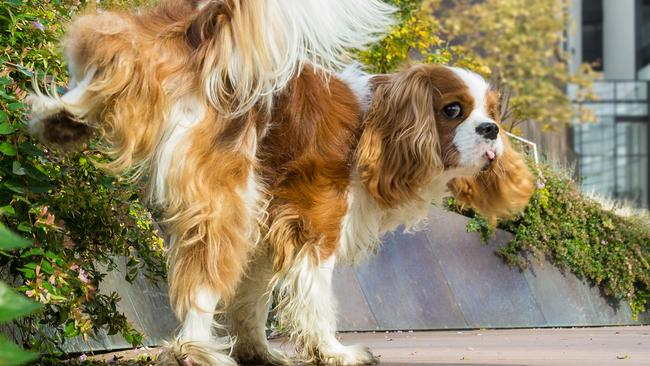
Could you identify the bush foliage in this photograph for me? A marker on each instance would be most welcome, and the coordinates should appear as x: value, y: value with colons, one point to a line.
x: 78, y: 218
x: 578, y: 234
x: 13, y: 305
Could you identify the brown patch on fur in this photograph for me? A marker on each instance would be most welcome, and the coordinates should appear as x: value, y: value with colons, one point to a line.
x: 405, y: 138
x: 205, y: 209
x: 305, y: 160
x: 64, y: 130
x: 206, y: 23
x: 492, y: 102
x: 132, y: 56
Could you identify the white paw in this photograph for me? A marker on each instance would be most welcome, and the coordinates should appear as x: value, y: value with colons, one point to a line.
x: 195, y: 354
x: 347, y: 356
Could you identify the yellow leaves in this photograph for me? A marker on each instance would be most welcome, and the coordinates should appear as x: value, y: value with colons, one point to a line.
x: 417, y: 33
x: 521, y: 42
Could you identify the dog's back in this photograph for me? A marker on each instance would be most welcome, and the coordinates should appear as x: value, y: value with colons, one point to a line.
x: 201, y: 97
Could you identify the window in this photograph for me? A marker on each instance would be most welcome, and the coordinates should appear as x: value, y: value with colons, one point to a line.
x: 592, y: 33
x: 613, y: 151
x: 643, y: 42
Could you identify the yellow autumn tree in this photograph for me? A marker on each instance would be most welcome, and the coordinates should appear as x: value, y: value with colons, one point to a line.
x: 417, y: 36
x: 522, y: 43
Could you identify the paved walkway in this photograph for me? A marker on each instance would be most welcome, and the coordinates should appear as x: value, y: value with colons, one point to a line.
x: 533, y: 347
x: 624, y: 346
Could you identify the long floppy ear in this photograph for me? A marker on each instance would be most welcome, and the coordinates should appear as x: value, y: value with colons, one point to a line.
x: 502, y: 190
x: 399, y: 150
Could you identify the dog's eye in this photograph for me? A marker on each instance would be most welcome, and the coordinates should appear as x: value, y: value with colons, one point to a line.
x: 452, y: 110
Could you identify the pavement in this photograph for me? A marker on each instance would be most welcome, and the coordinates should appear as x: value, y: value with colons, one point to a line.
x: 625, y: 346
x: 548, y: 347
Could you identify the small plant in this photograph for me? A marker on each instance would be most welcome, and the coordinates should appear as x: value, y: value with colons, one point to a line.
x: 13, y: 305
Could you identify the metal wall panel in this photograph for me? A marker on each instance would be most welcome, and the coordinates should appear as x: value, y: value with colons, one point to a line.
x: 405, y: 286
x: 439, y: 278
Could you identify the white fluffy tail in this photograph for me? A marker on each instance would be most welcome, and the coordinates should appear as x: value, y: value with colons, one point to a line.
x: 327, y: 30
x: 253, y: 48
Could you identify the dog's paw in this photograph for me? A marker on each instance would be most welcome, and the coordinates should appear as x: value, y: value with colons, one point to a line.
x: 347, y: 356
x: 271, y: 357
x: 194, y: 354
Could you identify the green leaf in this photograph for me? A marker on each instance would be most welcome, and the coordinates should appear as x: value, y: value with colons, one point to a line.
x: 7, y: 149
x: 15, y: 3
x: 17, y: 168
x: 15, y: 106
x: 9, y: 240
x: 33, y: 252
x: 70, y: 330
x: 14, y: 305
x: 36, y: 174
x: 6, y: 128
x: 25, y: 227
x: 38, y: 186
x: 7, y: 210
x: 28, y: 273
x: 30, y: 149
x: 15, y: 186
x: 12, y: 355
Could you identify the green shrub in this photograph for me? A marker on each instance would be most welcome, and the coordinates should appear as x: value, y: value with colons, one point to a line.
x: 78, y: 218
x: 578, y: 234
x: 13, y: 305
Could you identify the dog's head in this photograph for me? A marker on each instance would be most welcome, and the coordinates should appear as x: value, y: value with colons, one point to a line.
x: 431, y: 121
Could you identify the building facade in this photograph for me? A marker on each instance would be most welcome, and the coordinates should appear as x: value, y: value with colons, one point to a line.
x: 612, y: 153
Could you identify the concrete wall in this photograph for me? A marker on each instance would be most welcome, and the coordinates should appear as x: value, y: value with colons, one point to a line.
x: 445, y: 278
x: 439, y: 278
x: 619, y: 45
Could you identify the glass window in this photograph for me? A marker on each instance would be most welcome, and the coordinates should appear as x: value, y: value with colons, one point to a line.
x: 597, y: 138
x: 604, y: 90
x: 631, y: 109
x: 601, y: 109
x: 631, y: 90
x: 643, y: 24
x: 631, y: 138
x: 613, y: 151
x: 592, y: 33
x: 632, y: 180
x: 598, y: 175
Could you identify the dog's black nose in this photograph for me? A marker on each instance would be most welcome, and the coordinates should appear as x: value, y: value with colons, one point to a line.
x: 489, y: 130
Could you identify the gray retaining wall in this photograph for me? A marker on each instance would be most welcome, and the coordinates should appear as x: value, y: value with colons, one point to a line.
x: 439, y: 278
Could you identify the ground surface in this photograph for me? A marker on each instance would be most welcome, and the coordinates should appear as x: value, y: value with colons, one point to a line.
x: 533, y: 347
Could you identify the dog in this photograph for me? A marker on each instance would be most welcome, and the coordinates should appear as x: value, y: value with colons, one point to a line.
x: 271, y: 164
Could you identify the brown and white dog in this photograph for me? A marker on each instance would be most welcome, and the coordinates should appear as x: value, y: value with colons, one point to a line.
x: 270, y: 167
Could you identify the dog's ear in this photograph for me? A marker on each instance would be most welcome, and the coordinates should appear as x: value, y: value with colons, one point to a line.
x: 502, y: 190
x: 399, y: 150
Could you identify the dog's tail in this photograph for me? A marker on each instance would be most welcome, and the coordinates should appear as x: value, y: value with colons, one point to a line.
x: 252, y: 48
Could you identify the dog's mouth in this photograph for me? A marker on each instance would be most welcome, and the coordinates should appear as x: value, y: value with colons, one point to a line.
x: 488, y: 159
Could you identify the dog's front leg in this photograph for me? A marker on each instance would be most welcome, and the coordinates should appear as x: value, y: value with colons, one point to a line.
x: 308, y: 309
